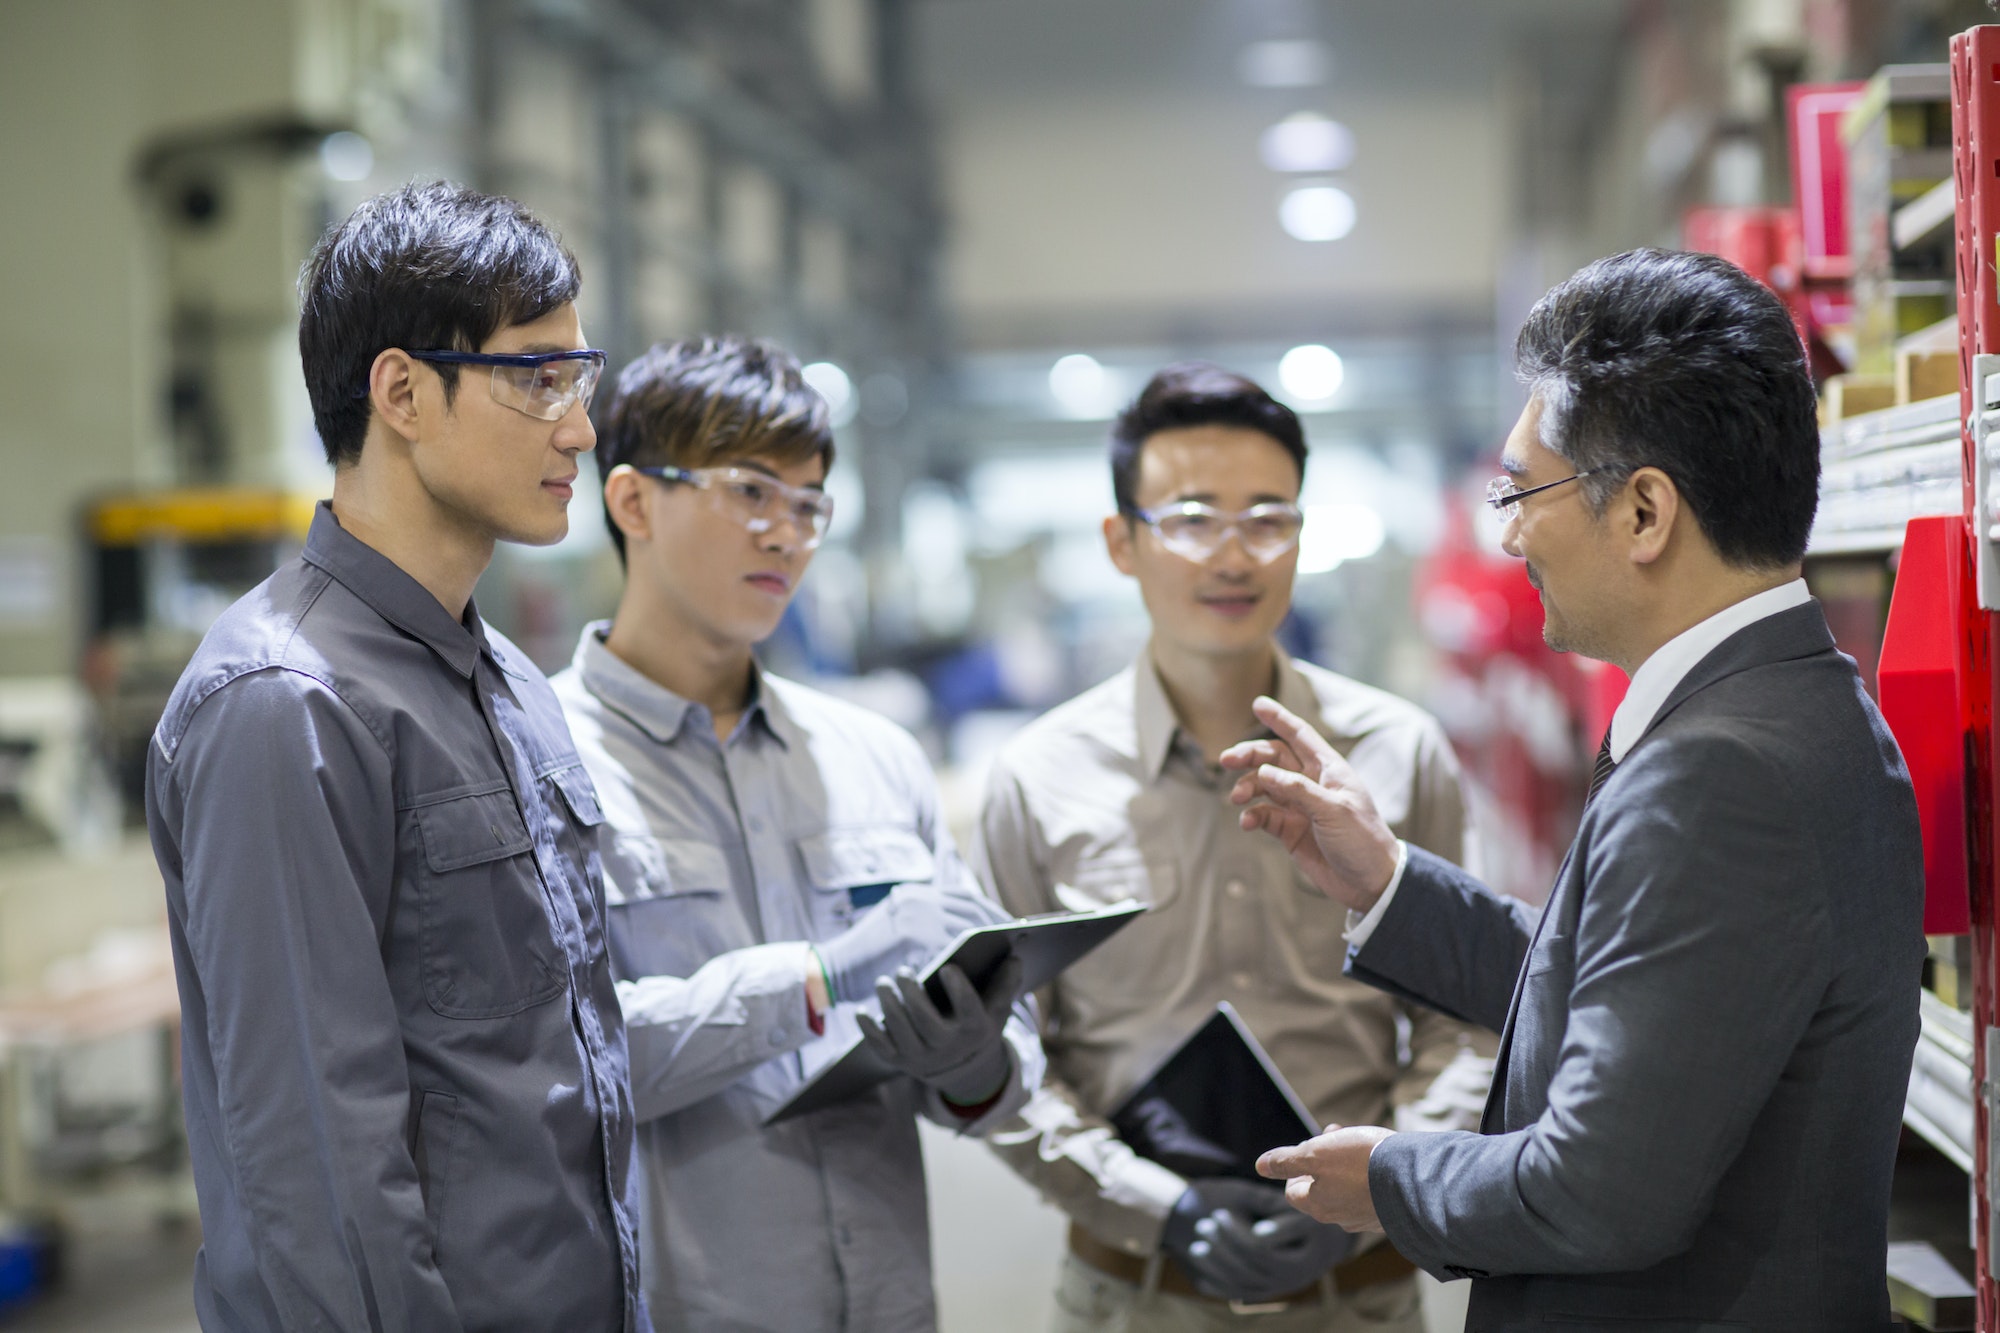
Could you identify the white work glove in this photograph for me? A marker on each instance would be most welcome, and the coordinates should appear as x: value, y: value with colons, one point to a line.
x: 906, y: 929
x: 960, y: 1049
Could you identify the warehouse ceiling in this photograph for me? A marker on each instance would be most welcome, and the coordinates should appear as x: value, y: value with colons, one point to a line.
x: 1103, y: 173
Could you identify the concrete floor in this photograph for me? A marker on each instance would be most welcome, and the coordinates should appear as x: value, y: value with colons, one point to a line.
x: 996, y: 1250
x: 123, y: 1276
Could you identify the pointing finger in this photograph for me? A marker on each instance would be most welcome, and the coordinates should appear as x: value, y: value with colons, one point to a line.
x: 1293, y: 730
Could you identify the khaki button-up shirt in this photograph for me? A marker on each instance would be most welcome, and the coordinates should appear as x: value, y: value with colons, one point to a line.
x: 1106, y: 798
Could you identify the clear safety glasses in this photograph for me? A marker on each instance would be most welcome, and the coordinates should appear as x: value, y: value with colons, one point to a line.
x: 544, y: 385
x: 755, y: 499
x: 1195, y: 531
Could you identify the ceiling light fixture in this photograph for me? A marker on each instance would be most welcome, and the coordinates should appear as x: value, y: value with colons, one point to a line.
x: 1307, y: 141
x: 832, y: 384
x: 1311, y: 373
x: 1082, y: 388
x: 1286, y: 63
x: 1317, y: 212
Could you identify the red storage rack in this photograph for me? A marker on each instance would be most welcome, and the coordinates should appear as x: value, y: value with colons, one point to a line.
x: 1975, y: 77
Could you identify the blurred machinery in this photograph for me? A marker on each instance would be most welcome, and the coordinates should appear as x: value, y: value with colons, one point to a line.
x: 161, y: 567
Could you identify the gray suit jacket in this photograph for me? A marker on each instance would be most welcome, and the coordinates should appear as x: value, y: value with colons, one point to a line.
x: 1707, y: 1031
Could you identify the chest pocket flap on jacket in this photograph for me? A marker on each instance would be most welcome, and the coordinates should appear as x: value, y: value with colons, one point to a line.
x: 484, y: 935
x: 846, y: 858
x: 469, y: 830
x: 578, y: 794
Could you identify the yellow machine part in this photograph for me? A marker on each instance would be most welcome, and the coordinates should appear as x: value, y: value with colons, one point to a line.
x: 199, y: 515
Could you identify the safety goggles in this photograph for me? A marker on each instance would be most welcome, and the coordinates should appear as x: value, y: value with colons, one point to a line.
x: 755, y: 499
x: 544, y: 385
x: 1195, y: 531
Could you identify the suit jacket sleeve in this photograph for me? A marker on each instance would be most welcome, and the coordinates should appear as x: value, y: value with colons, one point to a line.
x: 1443, y: 1085
x: 1449, y: 942
x: 1699, y: 949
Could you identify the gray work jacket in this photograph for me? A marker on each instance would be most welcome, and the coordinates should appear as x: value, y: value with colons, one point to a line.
x: 403, y: 1059
x: 723, y: 860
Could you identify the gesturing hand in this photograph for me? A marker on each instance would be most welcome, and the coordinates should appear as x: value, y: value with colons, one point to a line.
x: 1326, y: 1178
x: 1300, y: 791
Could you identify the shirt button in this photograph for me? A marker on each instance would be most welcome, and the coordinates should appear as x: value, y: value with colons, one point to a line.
x: 1240, y: 980
x: 1237, y: 888
x: 756, y: 824
x: 777, y: 1039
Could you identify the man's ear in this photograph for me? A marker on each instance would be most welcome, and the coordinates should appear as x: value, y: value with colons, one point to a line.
x: 1118, y: 542
x: 625, y: 500
x: 392, y: 392
x: 1654, y: 508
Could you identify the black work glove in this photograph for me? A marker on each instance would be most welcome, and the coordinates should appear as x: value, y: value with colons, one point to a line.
x: 959, y: 1048
x: 1240, y: 1241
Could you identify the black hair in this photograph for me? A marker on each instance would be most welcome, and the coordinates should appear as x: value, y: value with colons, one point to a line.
x: 432, y: 266
x: 702, y: 402
x: 1683, y: 362
x: 1196, y: 393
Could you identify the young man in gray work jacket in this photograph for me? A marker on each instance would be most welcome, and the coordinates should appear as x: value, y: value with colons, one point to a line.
x: 402, y: 1054
x: 775, y: 852
x: 1118, y: 793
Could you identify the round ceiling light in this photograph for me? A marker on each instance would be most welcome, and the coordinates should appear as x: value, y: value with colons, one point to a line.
x: 832, y: 384
x: 1307, y: 141
x: 1084, y: 389
x: 1311, y: 373
x: 1317, y: 212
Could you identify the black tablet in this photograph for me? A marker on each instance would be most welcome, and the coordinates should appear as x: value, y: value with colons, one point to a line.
x: 1046, y: 945
x: 1215, y: 1105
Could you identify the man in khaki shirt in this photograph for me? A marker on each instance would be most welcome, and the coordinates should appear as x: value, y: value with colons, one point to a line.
x: 1119, y: 794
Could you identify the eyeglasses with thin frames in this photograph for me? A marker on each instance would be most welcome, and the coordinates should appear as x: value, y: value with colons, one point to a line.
x: 1501, y: 491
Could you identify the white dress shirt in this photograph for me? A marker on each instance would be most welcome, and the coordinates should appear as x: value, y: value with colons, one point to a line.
x: 1651, y: 684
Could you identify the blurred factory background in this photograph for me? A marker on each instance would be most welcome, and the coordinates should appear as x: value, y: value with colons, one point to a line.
x: 984, y: 223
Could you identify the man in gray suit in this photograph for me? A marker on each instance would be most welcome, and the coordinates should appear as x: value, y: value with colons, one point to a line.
x: 1708, y: 1028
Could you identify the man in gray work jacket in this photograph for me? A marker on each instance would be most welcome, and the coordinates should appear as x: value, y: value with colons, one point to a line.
x: 1708, y: 1028
x: 403, y: 1060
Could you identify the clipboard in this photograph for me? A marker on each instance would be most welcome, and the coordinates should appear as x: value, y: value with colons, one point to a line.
x: 1215, y: 1105
x: 1046, y: 945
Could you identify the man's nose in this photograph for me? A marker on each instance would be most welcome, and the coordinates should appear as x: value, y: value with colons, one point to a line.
x: 575, y: 432
x: 1232, y: 553
x: 1510, y: 533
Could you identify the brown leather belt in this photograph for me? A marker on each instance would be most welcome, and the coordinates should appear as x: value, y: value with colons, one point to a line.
x: 1368, y: 1269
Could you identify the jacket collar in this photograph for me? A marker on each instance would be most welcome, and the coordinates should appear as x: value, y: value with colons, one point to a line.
x: 657, y: 710
x: 391, y: 593
x: 1784, y: 637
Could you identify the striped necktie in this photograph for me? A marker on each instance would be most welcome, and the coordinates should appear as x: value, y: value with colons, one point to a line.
x: 1601, y: 770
